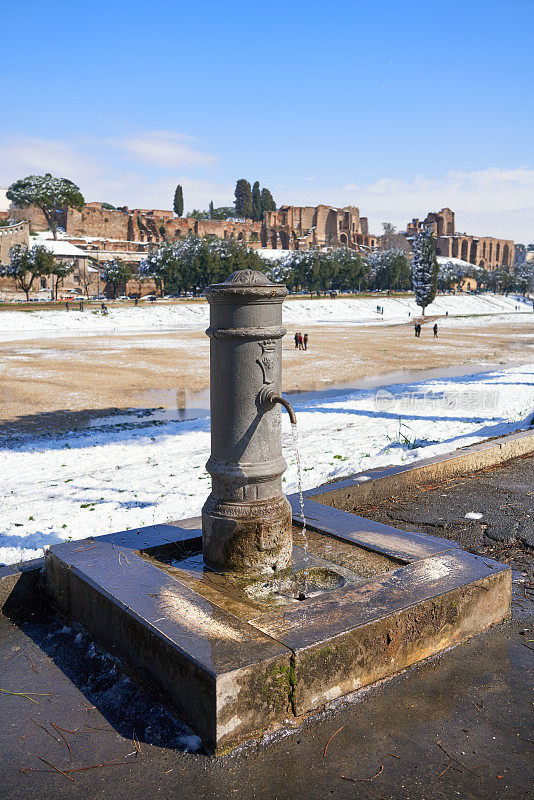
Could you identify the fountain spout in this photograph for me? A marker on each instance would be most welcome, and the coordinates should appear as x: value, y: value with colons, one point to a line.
x: 269, y: 398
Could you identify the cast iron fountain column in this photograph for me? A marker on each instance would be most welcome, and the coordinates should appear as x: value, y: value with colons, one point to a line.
x: 246, y: 520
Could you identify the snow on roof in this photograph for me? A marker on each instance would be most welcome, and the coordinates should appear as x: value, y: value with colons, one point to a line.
x: 58, y: 247
x: 459, y: 262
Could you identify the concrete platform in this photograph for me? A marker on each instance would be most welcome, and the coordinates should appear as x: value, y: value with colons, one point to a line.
x: 232, y: 669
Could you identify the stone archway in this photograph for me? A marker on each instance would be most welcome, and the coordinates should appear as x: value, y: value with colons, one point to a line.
x: 284, y: 240
x: 274, y: 240
x: 343, y: 239
x: 473, y: 253
x: 455, y: 248
x: 505, y: 256
x: 481, y: 263
x: 465, y: 250
x: 498, y: 252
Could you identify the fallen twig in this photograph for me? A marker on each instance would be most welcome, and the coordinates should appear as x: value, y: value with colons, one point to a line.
x: 460, y: 763
x: 56, y: 768
x: 355, y: 780
x: 83, y: 549
x: 446, y: 768
x: 328, y: 742
x: 59, y: 731
x: 27, y: 695
x: 44, y: 729
x: 30, y: 662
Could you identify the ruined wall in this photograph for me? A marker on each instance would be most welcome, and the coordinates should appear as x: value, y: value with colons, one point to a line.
x: 305, y: 227
x: 481, y: 251
x: 289, y: 228
x: 17, y: 233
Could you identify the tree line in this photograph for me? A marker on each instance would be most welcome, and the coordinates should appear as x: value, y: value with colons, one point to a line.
x: 191, y: 264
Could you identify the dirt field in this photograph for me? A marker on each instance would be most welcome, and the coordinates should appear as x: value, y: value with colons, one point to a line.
x: 170, y: 369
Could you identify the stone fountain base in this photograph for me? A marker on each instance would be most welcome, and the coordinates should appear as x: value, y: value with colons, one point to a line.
x: 234, y: 657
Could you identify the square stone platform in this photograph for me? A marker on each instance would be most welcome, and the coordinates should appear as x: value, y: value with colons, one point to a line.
x: 235, y: 657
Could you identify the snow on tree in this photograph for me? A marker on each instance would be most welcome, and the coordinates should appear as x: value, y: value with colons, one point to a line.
x: 25, y: 265
x: 115, y: 272
x: 51, y: 195
x: 60, y: 271
x: 194, y: 262
x: 390, y: 269
x: 424, y: 268
x: 178, y: 203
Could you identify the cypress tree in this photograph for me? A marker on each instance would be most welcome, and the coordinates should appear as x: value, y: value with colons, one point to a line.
x: 243, y: 199
x: 212, y: 210
x: 257, y: 210
x: 424, y: 268
x: 267, y: 201
x: 178, y: 204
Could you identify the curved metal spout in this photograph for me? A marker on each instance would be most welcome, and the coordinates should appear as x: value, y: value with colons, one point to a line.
x: 268, y: 398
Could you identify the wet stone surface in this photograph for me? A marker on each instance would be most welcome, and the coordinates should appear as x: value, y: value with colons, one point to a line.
x: 320, y: 564
x: 490, y: 512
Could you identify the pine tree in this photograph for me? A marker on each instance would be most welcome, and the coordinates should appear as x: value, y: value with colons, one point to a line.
x: 212, y: 210
x: 243, y: 199
x: 267, y: 201
x: 178, y: 204
x: 424, y: 268
x: 257, y: 210
x: 52, y: 195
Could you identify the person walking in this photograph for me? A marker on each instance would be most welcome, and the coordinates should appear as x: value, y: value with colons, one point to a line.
x: 416, y: 329
x: 81, y: 305
x: 435, y: 329
x: 301, y: 342
x: 67, y: 305
x: 305, y: 340
x: 297, y: 340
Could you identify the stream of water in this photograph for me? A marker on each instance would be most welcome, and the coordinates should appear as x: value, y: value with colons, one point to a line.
x: 294, y: 434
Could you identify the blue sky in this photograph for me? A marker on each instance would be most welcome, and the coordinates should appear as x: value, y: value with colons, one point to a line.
x: 398, y: 108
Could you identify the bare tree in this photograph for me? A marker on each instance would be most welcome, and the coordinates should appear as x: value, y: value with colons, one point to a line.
x: 391, y: 239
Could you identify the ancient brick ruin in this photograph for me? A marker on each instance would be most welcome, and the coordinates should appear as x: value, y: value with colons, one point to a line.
x: 305, y: 227
x: 289, y: 228
x: 481, y: 251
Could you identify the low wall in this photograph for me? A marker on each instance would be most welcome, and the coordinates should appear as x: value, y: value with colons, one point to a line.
x: 376, y: 485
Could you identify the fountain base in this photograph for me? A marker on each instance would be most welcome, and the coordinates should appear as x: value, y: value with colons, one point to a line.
x: 245, y: 537
x: 236, y: 656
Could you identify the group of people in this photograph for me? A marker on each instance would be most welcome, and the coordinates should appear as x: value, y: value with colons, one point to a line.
x: 417, y: 330
x: 301, y: 342
x: 80, y: 307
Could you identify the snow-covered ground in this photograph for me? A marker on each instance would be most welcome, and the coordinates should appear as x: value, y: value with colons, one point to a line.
x: 125, y: 471
x: 153, y: 317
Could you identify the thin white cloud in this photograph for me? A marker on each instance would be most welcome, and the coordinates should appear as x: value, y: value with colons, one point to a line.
x: 24, y: 155
x: 163, y: 149
x: 496, y: 201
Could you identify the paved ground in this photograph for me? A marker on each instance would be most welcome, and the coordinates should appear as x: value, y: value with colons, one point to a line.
x: 472, y: 704
x: 490, y: 512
